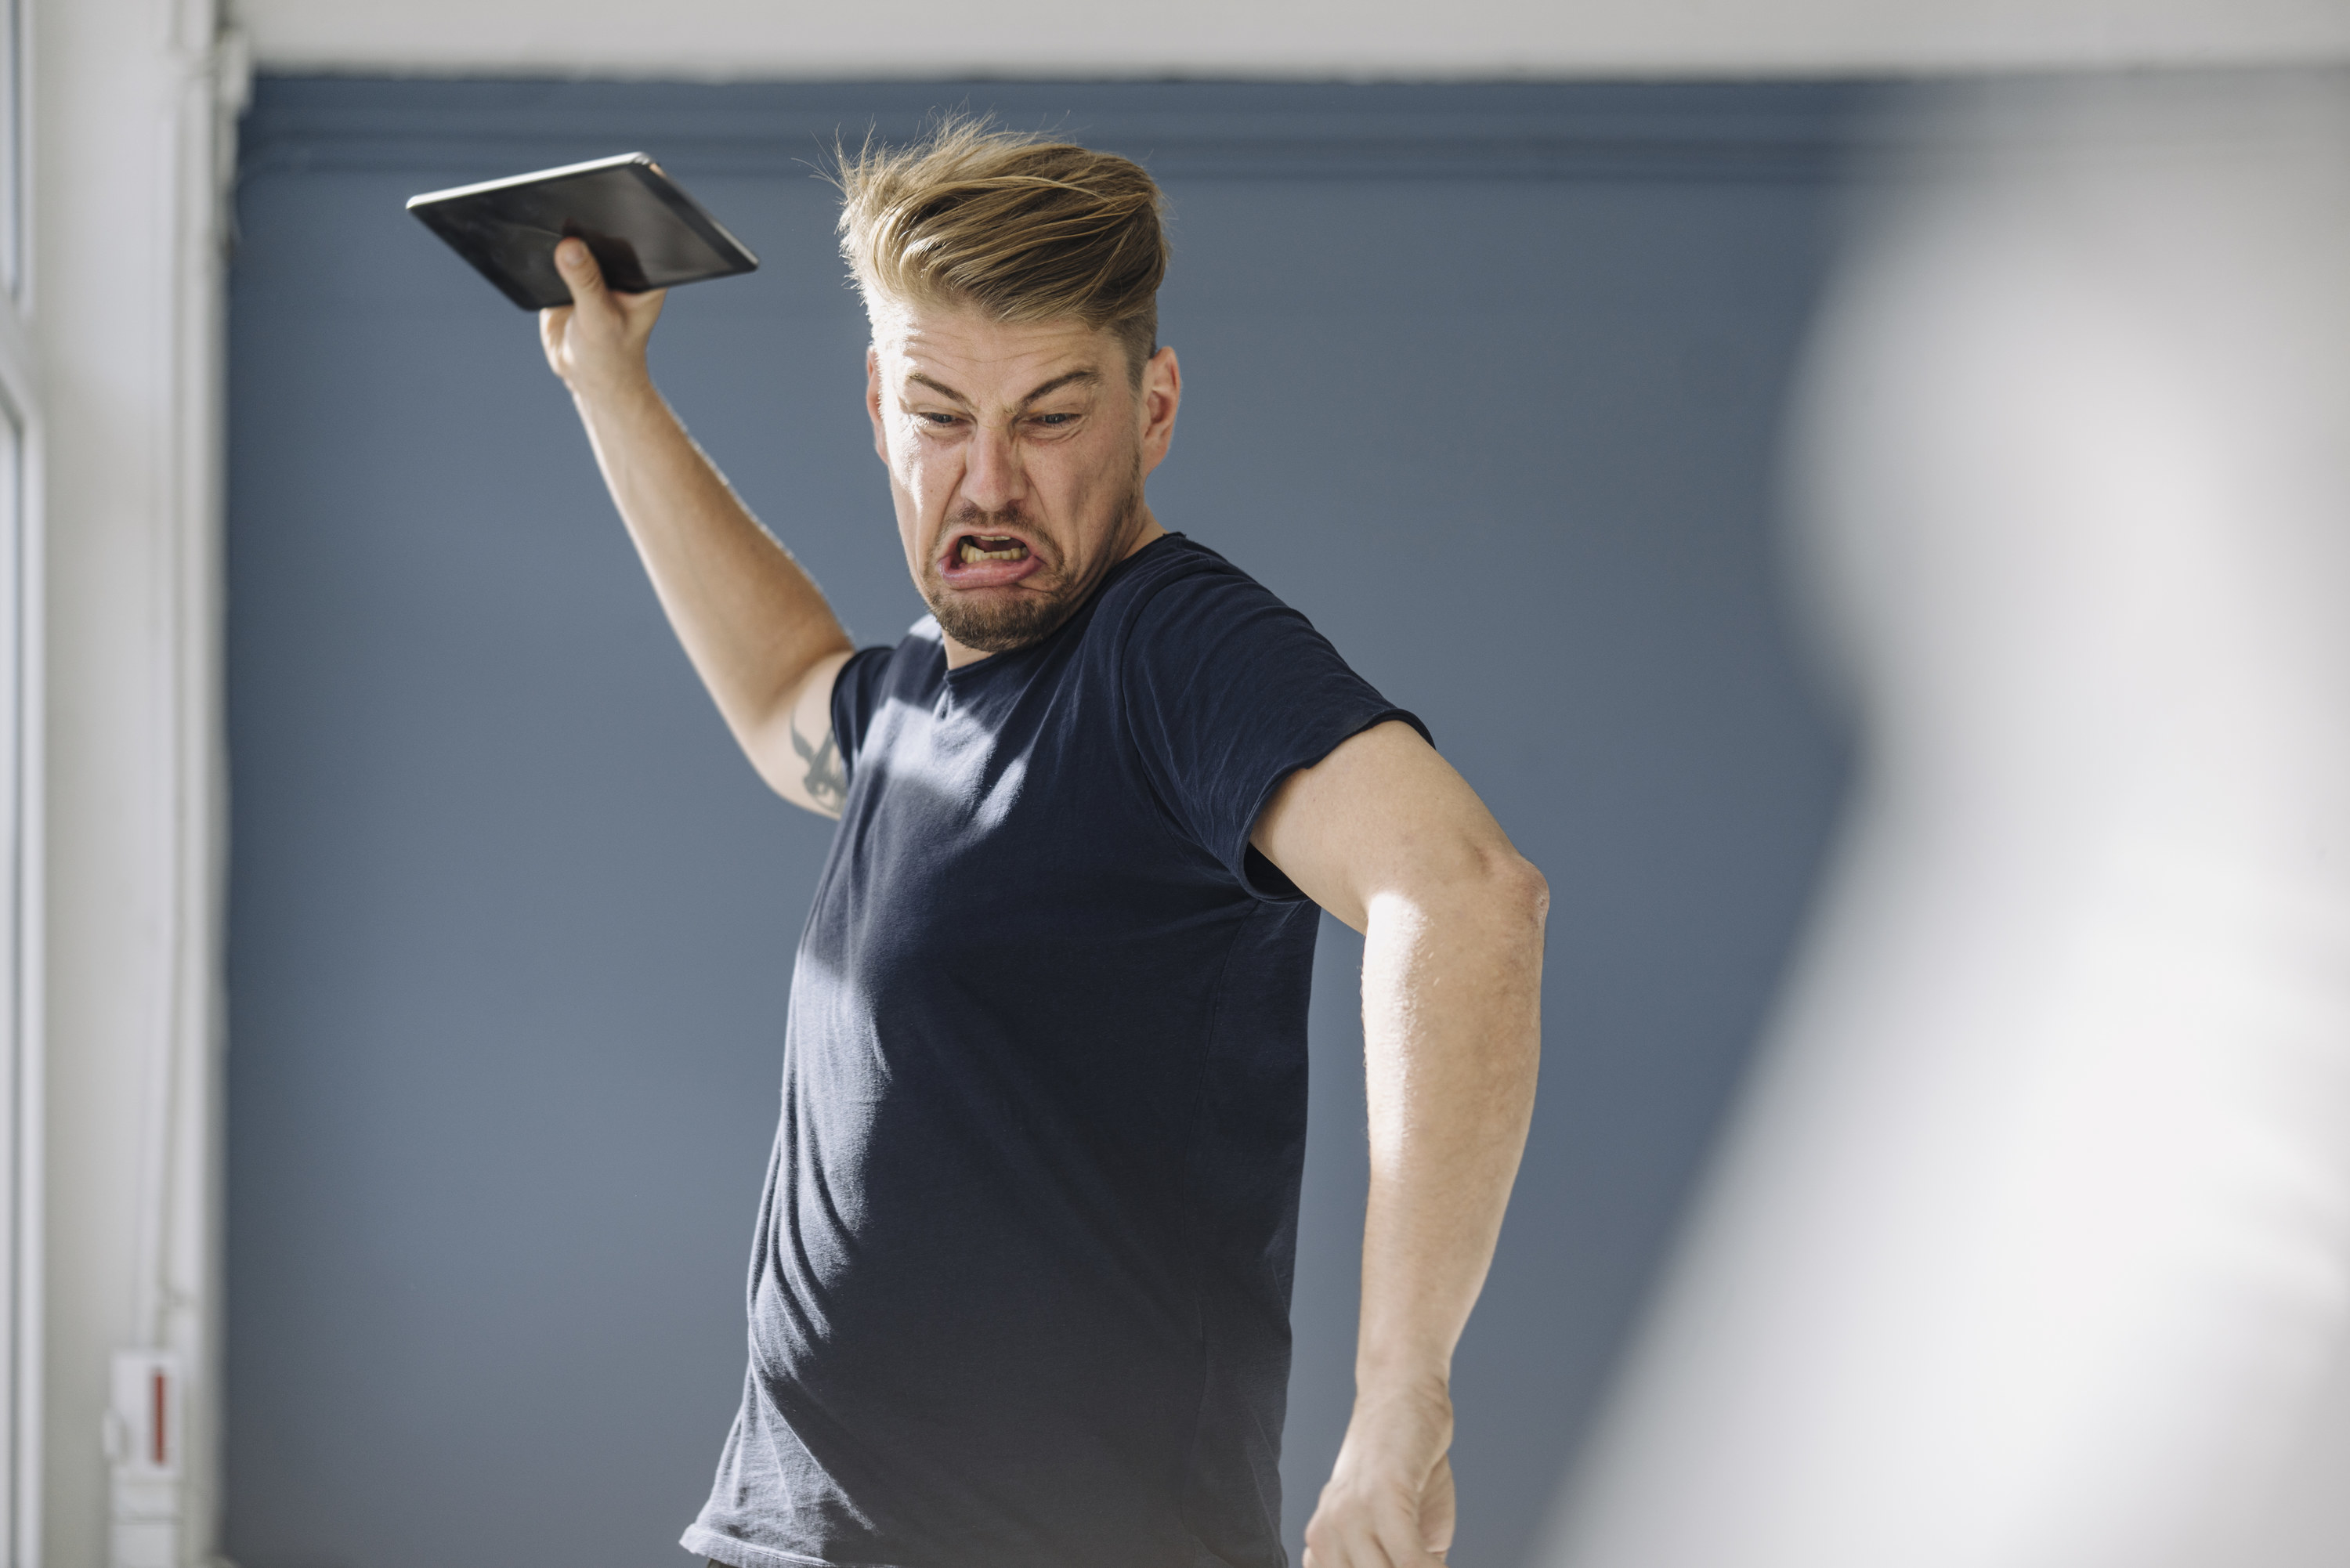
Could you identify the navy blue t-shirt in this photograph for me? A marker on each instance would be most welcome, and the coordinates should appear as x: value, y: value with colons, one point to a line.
x: 1020, y: 1293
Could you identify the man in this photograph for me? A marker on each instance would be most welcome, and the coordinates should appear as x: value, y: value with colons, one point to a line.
x: 1020, y: 1293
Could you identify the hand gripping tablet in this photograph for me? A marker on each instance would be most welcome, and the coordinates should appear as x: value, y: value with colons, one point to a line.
x: 645, y: 231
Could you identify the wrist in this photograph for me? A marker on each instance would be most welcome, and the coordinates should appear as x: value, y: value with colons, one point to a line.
x: 1383, y: 1379
x: 615, y: 394
x: 1399, y: 1423
x: 621, y: 407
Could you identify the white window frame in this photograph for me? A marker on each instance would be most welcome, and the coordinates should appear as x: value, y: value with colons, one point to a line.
x: 21, y: 1099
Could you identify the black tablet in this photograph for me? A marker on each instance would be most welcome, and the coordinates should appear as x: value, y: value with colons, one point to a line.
x: 645, y: 231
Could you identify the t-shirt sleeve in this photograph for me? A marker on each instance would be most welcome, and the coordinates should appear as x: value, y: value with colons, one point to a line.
x: 1228, y: 693
x: 855, y: 696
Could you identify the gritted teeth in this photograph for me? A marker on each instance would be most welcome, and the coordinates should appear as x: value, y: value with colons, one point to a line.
x: 976, y: 547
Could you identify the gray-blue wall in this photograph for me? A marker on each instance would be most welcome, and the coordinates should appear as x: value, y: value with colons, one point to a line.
x: 1483, y: 379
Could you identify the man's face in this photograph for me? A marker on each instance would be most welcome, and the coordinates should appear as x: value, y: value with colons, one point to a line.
x: 1017, y: 457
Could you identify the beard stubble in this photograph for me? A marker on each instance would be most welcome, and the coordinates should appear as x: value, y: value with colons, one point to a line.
x: 1021, y: 618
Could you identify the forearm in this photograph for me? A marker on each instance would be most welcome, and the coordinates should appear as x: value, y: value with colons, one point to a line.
x: 1384, y: 835
x: 1451, y: 1015
x: 751, y: 621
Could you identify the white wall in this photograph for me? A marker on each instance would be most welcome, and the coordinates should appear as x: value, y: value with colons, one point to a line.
x: 125, y: 326
x: 1391, y: 38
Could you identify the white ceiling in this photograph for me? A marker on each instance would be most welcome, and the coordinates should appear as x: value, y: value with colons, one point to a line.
x: 1297, y: 38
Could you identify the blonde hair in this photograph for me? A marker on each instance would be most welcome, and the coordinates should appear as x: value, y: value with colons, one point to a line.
x: 1022, y: 228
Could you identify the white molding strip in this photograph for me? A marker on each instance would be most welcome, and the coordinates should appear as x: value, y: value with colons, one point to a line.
x: 21, y: 751
x: 1294, y: 39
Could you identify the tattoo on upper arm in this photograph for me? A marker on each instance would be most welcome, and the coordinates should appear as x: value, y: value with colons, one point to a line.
x: 826, y: 785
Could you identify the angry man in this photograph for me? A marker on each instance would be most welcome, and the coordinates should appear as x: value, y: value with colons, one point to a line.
x: 1020, y: 1295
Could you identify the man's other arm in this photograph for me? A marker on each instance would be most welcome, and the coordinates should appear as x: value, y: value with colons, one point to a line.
x: 758, y: 630
x: 1384, y: 835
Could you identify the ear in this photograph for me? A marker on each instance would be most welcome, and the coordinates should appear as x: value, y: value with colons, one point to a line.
x: 1163, y: 394
x: 873, y: 402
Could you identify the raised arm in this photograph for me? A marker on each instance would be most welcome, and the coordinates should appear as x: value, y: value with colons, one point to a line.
x: 757, y: 630
x: 1384, y: 835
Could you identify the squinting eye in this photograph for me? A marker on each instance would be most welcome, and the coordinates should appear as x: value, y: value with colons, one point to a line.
x: 1054, y: 419
x: 937, y: 419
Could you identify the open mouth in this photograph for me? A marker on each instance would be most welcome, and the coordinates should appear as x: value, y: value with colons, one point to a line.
x: 973, y: 548
x: 987, y: 561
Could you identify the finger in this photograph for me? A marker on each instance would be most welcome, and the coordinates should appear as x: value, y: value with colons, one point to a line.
x: 1340, y: 1539
x: 1380, y: 1548
x: 1345, y: 1551
x: 581, y: 275
x: 1389, y: 1534
x: 1355, y: 1541
x: 1439, y: 1509
x: 640, y: 310
x: 551, y: 324
x: 1399, y: 1545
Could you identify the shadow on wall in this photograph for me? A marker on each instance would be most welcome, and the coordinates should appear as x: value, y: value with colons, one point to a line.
x: 2031, y: 1244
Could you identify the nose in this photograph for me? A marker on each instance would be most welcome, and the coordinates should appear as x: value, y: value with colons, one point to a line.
x: 992, y: 476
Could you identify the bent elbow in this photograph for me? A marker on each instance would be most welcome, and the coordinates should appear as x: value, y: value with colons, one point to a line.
x: 1518, y: 887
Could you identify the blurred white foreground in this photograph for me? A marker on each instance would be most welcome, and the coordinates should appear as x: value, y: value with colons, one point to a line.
x: 2030, y: 1246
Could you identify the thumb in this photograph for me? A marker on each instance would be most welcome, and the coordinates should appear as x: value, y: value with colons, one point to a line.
x: 577, y: 264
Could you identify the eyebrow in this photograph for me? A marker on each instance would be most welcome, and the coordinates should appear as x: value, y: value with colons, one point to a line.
x: 1072, y: 379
